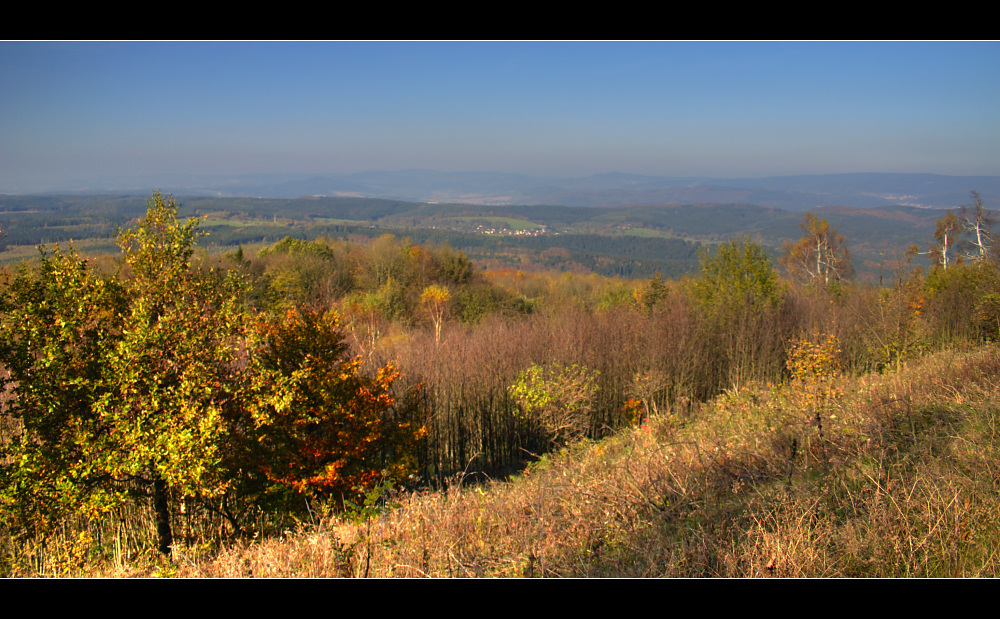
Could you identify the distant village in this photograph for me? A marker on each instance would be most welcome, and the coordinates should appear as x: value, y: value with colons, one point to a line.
x: 509, y: 232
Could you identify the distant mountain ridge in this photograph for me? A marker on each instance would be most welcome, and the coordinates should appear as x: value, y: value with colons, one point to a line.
x: 794, y: 193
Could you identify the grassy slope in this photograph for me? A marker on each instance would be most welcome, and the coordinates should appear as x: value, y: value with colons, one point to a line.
x: 904, y: 483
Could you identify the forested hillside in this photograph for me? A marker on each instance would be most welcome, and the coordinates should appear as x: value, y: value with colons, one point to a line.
x: 627, y: 241
x: 169, y: 399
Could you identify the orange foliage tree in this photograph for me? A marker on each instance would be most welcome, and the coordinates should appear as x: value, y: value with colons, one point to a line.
x: 328, y: 428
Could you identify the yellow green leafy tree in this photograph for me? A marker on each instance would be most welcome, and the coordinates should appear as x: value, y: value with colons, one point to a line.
x: 434, y: 299
x: 558, y: 399
x: 56, y: 332
x: 122, y: 385
x: 156, y: 383
x: 815, y: 366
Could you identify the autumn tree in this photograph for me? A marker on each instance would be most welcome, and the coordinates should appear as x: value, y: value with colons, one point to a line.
x: 57, y: 327
x: 384, y: 261
x: 328, y: 428
x: 821, y: 256
x: 173, y: 364
x: 815, y: 366
x: 558, y: 398
x: 977, y: 222
x: 156, y: 384
x: 962, y: 301
x: 297, y: 272
x: 121, y: 385
x: 367, y: 311
x: 434, y: 300
x: 947, y: 231
x: 654, y: 294
x: 454, y: 266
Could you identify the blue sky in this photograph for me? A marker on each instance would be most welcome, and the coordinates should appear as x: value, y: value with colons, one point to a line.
x: 73, y: 111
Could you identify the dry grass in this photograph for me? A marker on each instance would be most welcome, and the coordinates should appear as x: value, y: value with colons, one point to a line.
x: 904, y: 482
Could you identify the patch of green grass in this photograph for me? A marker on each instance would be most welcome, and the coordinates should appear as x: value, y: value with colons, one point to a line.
x: 339, y: 222
x: 236, y: 223
x: 647, y: 232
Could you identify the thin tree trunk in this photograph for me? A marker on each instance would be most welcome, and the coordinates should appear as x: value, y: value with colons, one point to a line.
x: 162, y: 508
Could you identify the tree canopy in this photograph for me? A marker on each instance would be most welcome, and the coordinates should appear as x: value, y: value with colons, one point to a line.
x: 736, y: 273
x: 821, y: 256
x: 156, y: 382
x: 977, y: 223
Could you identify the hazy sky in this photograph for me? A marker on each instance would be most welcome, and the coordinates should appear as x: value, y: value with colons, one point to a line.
x: 73, y: 111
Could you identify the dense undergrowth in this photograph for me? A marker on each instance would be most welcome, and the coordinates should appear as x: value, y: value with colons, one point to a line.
x: 903, y: 482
